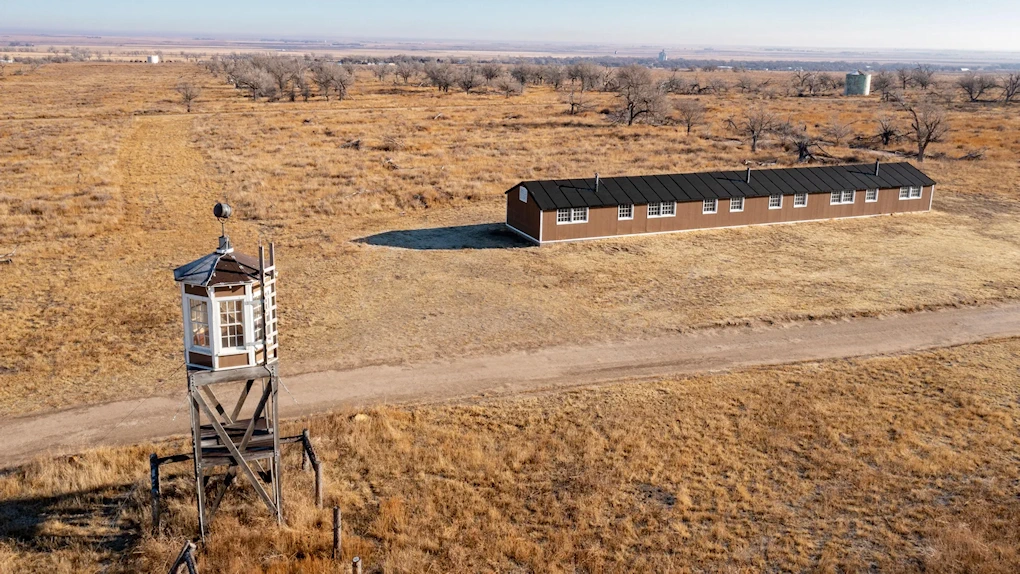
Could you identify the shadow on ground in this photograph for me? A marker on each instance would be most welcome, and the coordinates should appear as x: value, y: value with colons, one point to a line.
x: 82, y: 520
x: 481, y: 236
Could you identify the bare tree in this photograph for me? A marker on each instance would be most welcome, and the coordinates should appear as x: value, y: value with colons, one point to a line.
x: 905, y: 77
x: 829, y: 82
x: 555, y: 76
x: 281, y: 69
x: 756, y: 122
x: 692, y: 113
x: 509, y: 86
x: 798, y: 139
x: 330, y: 76
x: 806, y: 82
x: 490, y: 71
x: 923, y: 75
x: 406, y: 70
x: 304, y: 87
x: 381, y: 71
x: 837, y: 131
x: 745, y: 83
x: 975, y: 85
x: 584, y: 74
x: 1010, y: 87
x: 887, y: 130
x: 576, y: 102
x: 883, y: 83
x: 245, y: 75
x: 343, y: 79
x: 189, y: 93
x: 468, y: 79
x: 641, y: 97
x: 928, y: 124
x: 442, y: 76
x: 3, y: 64
x: 524, y: 73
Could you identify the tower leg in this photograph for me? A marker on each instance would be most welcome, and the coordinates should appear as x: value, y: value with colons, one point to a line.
x: 196, y: 440
x: 277, y: 478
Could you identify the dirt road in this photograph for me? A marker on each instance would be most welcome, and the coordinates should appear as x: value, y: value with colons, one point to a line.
x: 129, y: 422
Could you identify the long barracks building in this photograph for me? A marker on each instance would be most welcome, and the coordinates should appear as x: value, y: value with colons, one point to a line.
x: 553, y: 211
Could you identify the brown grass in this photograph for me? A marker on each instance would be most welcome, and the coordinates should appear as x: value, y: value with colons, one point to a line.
x: 105, y: 185
x: 886, y: 464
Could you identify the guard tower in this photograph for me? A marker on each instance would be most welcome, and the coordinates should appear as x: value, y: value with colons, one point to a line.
x: 230, y: 346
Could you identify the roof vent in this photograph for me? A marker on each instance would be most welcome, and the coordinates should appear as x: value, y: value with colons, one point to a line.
x: 876, y: 167
x: 748, y: 174
x: 596, y: 182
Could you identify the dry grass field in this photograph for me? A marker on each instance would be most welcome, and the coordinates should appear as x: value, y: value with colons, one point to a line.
x: 106, y: 185
x: 903, y: 464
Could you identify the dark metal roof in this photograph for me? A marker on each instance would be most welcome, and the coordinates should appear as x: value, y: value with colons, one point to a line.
x: 680, y: 187
x: 219, y: 269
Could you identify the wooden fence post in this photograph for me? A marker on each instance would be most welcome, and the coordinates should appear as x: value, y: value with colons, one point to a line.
x: 318, y: 484
x: 310, y: 456
x: 154, y: 477
x: 305, y: 441
x: 356, y: 565
x: 336, y: 533
x: 186, y: 558
x: 189, y: 559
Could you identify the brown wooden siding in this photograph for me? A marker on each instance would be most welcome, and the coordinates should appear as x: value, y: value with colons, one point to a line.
x: 200, y: 359
x: 194, y: 290
x: 525, y: 217
x: 230, y: 291
x: 227, y: 361
x: 603, y: 221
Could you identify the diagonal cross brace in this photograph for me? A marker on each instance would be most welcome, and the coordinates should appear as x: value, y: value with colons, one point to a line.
x: 236, y: 455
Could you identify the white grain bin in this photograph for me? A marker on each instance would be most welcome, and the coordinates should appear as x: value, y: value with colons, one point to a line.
x: 152, y: 59
x: 858, y: 84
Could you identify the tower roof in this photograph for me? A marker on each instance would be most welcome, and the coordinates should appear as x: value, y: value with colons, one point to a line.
x: 219, y: 268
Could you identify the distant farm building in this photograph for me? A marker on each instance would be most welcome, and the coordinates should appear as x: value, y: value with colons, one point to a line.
x: 554, y: 211
x: 152, y: 59
x: 858, y: 84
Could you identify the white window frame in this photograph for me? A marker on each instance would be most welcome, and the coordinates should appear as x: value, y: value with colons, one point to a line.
x: 620, y: 209
x: 574, y: 215
x: 188, y: 335
x: 774, y: 197
x: 797, y: 197
x: 740, y: 207
x: 910, y: 192
x: 709, y: 206
x: 841, y: 198
x: 867, y: 195
x: 661, y: 209
x: 244, y: 326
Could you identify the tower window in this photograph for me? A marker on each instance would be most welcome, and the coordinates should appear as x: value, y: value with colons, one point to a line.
x: 199, y: 316
x: 232, y: 323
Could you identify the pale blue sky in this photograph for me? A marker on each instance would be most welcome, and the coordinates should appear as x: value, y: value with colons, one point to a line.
x: 972, y: 25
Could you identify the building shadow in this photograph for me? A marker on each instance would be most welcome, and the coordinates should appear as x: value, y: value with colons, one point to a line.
x: 92, y: 519
x: 481, y: 236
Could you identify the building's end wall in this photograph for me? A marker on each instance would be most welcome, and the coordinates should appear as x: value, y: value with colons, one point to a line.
x: 524, y: 216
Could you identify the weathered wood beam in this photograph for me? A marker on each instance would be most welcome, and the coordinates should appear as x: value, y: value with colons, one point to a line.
x: 241, y: 463
x: 202, y: 378
x: 228, y: 479
x: 216, y: 404
x: 241, y: 399
x: 196, y: 434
